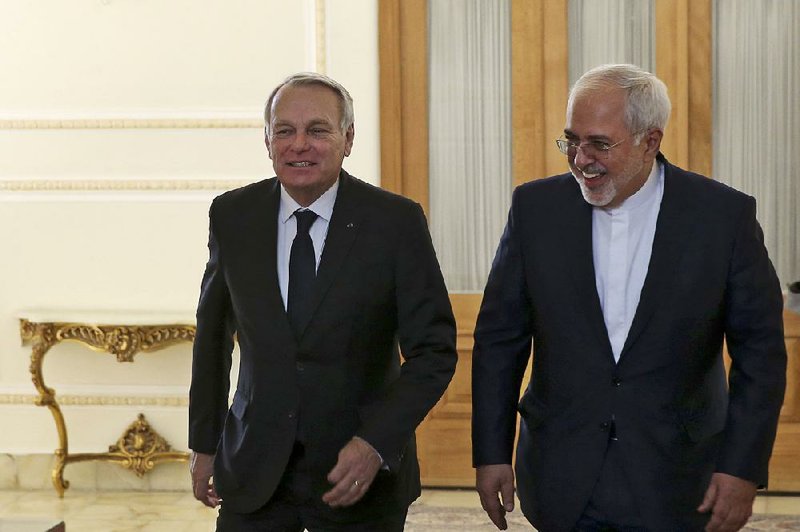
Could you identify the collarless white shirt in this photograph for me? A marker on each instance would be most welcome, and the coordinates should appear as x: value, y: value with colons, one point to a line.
x: 622, y: 243
x: 287, y: 230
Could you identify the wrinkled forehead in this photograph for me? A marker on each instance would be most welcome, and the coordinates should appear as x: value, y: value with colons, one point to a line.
x: 313, y: 95
x: 596, y: 107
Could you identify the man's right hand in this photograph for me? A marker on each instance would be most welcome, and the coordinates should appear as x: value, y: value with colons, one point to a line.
x: 201, y: 466
x: 491, y: 480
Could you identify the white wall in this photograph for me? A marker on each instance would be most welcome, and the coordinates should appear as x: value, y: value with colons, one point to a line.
x: 120, y: 120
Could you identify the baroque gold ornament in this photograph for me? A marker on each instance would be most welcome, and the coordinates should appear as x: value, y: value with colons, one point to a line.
x: 140, y: 447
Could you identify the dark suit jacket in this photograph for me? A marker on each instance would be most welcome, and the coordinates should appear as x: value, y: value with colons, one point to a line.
x: 378, y: 284
x: 709, y: 279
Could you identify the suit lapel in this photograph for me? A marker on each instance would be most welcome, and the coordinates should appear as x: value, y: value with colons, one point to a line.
x: 265, y: 246
x: 342, y: 231
x: 577, y: 241
x: 673, y: 228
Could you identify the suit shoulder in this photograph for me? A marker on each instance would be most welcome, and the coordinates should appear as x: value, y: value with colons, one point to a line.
x: 547, y: 190
x: 379, y: 199
x: 704, y: 191
x: 241, y: 196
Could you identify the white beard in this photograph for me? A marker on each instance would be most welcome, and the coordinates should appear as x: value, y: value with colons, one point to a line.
x: 605, y: 194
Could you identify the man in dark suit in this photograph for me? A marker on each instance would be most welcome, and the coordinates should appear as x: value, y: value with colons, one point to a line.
x: 324, y: 279
x: 625, y: 277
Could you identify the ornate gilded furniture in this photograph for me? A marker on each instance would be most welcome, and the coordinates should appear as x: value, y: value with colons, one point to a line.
x: 123, y: 335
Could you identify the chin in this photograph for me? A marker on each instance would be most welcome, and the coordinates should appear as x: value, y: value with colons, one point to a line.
x: 598, y: 198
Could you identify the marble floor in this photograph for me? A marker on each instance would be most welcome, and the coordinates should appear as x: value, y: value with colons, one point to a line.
x: 90, y: 511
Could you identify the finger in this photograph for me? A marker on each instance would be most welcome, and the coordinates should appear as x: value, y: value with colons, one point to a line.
x: 340, y: 490
x: 209, y: 499
x: 200, y: 488
x: 213, y: 498
x: 507, y: 493
x: 498, y: 517
x: 204, y: 491
x: 716, y: 523
x: 338, y: 472
x: 345, y: 493
x: 491, y: 505
x: 733, y: 522
x: 708, y: 499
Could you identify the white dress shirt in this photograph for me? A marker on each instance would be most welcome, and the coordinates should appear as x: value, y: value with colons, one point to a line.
x: 622, y: 242
x: 287, y: 230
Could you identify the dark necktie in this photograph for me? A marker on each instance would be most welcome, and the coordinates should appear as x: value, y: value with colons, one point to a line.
x: 302, y: 272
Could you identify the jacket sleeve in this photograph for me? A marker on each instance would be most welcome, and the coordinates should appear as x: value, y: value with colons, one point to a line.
x: 754, y: 335
x: 211, y: 358
x: 501, y: 352
x: 426, y: 334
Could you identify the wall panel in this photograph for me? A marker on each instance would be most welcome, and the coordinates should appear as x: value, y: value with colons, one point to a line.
x: 119, y: 122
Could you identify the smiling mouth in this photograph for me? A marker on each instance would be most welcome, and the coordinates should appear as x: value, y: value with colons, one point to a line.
x: 591, y: 175
x: 300, y: 164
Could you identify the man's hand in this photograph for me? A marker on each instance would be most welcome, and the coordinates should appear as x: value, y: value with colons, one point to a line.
x: 730, y: 500
x: 491, y: 480
x: 353, y: 473
x: 201, y: 466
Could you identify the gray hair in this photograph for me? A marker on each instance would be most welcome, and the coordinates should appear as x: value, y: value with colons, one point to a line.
x: 647, y: 105
x: 312, y: 78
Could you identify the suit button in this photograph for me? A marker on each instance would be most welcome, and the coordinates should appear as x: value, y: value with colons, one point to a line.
x: 616, y: 381
x: 291, y: 415
x: 604, y: 425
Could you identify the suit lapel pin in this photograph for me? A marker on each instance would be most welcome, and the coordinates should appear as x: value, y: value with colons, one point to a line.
x: 351, y: 225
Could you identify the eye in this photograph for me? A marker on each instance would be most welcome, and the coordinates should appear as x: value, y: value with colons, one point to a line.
x: 282, y: 132
x: 318, y: 131
x: 600, y: 145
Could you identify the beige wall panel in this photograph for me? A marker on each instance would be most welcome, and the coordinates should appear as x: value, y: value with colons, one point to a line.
x: 91, y: 428
x: 119, y: 122
x: 120, y: 54
x: 125, y: 250
x: 352, y: 59
x: 108, y: 154
x: 113, y: 253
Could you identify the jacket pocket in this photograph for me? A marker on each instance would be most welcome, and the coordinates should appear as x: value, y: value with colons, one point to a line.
x: 533, y: 412
x: 703, y: 425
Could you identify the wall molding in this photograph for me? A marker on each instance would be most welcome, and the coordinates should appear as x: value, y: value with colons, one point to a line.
x: 136, y: 118
x: 127, y: 122
x: 105, y: 185
x: 98, y: 400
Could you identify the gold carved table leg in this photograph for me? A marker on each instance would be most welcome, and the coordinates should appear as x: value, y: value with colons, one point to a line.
x: 140, y: 448
x: 42, y: 338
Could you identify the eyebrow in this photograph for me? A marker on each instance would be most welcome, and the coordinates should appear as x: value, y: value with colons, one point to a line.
x: 604, y: 138
x: 313, y: 122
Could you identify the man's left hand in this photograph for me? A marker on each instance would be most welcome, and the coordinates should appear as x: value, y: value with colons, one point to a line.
x: 353, y: 473
x: 730, y: 501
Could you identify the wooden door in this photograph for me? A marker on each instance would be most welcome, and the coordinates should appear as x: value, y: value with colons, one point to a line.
x: 539, y: 91
x: 443, y: 439
x: 784, y: 468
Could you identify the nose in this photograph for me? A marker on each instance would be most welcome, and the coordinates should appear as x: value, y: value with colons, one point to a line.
x: 582, y: 159
x: 300, y: 142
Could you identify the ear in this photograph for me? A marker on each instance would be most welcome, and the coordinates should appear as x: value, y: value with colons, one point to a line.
x: 348, y: 139
x: 652, y: 142
x: 266, y: 143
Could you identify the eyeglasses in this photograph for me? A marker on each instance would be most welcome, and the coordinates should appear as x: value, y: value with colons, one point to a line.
x: 594, y: 149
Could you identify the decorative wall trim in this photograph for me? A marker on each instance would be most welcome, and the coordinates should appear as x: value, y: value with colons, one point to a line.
x: 130, y: 123
x: 102, y: 185
x: 98, y: 400
x: 320, y: 37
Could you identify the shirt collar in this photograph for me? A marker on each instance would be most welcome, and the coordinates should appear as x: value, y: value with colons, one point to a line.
x: 322, y: 207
